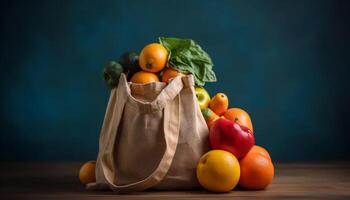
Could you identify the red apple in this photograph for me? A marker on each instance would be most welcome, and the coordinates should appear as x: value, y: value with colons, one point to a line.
x: 230, y: 136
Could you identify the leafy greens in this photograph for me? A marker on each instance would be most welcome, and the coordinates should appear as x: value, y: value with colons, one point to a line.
x: 186, y: 56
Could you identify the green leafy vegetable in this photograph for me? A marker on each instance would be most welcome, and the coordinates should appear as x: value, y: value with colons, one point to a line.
x: 188, y: 57
x: 111, y: 73
x: 130, y: 63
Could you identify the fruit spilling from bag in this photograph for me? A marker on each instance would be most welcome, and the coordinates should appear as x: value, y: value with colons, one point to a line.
x: 234, y: 158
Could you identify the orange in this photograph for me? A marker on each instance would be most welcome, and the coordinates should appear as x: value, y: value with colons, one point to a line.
x: 218, y: 171
x: 87, y: 172
x: 259, y: 150
x: 153, y: 57
x: 239, y: 116
x: 170, y: 73
x: 257, y: 171
x: 219, y: 103
x: 143, y: 77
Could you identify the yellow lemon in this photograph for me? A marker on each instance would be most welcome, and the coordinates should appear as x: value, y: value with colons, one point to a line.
x: 218, y: 171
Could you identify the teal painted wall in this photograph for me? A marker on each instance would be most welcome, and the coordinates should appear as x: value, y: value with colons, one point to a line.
x: 285, y: 62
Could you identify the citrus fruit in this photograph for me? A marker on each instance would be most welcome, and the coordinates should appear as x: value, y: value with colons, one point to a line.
x: 239, y: 116
x: 259, y: 150
x: 218, y: 171
x: 153, y: 57
x: 203, y: 97
x: 143, y: 77
x: 170, y: 73
x: 87, y: 172
x: 257, y: 171
x: 219, y: 103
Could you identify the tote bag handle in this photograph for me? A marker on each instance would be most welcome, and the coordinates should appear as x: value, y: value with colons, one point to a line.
x: 169, y: 98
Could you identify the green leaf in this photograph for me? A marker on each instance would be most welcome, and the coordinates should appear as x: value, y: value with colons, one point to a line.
x: 188, y: 57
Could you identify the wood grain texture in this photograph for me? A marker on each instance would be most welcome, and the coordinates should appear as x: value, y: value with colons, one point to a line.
x: 58, y: 180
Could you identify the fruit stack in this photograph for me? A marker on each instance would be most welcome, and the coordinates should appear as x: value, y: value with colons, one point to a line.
x: 234, y: 158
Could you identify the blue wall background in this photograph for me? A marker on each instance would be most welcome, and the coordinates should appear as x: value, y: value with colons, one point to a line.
x: 285, y: 62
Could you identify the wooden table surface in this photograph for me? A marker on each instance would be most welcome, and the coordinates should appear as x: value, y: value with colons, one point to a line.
x: 58, y: 180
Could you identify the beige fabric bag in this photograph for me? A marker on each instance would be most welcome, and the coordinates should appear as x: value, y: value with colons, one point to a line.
x: 152, y: 137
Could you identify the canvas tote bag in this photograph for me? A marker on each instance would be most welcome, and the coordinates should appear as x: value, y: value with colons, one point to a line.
x: 152, y: 136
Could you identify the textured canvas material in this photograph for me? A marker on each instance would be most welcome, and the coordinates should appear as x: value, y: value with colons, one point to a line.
x: 152, y: 137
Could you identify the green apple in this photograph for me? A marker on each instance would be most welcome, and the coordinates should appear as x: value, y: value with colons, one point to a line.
x: 203, y: 97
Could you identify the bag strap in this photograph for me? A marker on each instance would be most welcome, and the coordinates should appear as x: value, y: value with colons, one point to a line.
x: 109, y: 128
x: 171, y: 125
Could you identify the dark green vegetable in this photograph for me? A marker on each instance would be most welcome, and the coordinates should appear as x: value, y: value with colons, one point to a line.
x: 111, y: 73
x: 188, y: 57
x: 130, y: 63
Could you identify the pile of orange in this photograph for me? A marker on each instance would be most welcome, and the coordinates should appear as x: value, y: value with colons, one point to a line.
x: 256, y: 167
x: 152, y: 60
